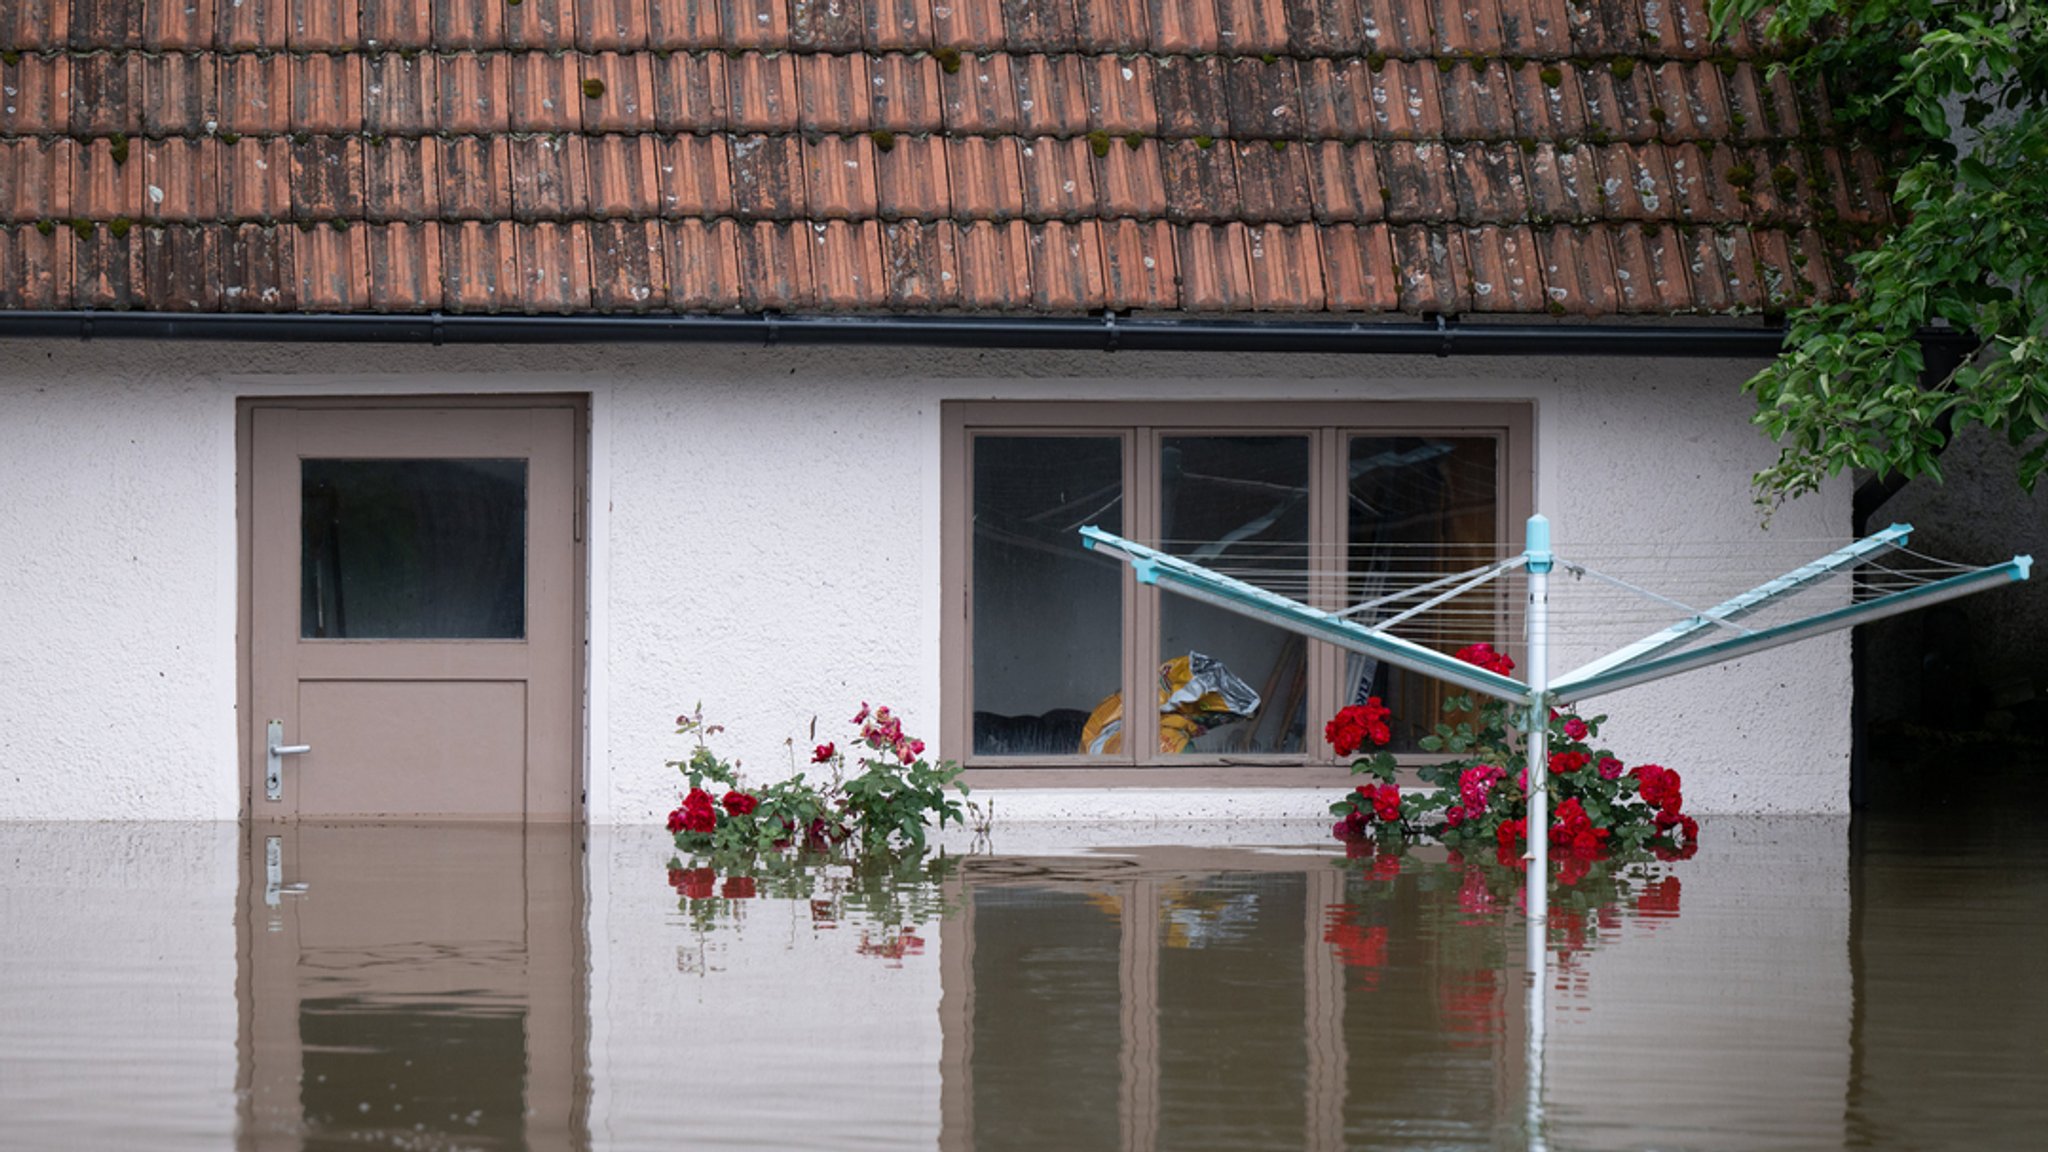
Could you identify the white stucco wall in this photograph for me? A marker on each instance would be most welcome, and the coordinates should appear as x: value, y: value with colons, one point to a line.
x: 765, y: 538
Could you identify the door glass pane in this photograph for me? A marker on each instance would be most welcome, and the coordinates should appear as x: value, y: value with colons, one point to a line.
x: 1239, y: 504
x: 1421, y: 507
x: 1048, y: 614
x: 412, y: 549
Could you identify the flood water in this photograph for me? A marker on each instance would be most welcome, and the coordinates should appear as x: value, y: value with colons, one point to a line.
x: 1801, y: 983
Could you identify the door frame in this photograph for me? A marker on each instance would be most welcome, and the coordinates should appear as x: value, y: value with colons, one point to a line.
x: 579, y: 644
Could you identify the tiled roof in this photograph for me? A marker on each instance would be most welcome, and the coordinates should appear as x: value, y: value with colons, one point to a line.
x: 1055, y: 156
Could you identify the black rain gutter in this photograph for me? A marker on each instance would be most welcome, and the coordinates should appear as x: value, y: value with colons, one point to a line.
x: 1431, y: 337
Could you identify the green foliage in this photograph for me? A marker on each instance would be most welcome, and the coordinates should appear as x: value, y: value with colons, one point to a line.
x: 1959, y: 92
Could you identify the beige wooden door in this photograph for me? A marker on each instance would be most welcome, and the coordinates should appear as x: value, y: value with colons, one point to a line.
x: 413, y: 610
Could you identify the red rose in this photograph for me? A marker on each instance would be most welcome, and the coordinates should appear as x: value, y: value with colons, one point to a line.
x: 739, y: 803
x: 675, y: 821
x: 698, y: 814
x: 822, y: 753
x: 1353, y: 727
x: 1485, y: 657
x: 1610, y: 768
x: 1386, y: 803
x: 1575, y: 728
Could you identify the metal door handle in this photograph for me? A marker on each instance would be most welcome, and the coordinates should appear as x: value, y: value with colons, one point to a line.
x: 276, y: 751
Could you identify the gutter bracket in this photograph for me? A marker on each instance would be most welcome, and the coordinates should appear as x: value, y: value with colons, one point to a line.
x: 1443, y: 336
x: 1111, y: 336
x: 438, y: 335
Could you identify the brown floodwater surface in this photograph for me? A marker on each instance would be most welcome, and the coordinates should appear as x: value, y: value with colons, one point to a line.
x: 1801, y: 983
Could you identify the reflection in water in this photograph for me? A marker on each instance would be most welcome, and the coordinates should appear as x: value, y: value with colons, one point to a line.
x: 485, y: 987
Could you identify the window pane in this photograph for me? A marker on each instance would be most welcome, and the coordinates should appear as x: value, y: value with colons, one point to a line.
x: 1239, y: 504
x: 1048, y: 614
x: 1421, y: 507
x: 412, y: 549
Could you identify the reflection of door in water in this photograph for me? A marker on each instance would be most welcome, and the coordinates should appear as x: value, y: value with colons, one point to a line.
x: 412, y: 985
x: 413, y: 598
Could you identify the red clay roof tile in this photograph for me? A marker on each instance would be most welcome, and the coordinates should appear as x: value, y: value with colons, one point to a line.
x: 1204, y: 180
x: 548, y: 181
x: 1634, y: 181
x: 402, y: 178
x: 105, y: 185
x: 775, y: 267
x: 833, y: 93
x: 255, y: 94
x: 35, y: 179
x: 1265, y: 99
x: 1606, y: 27
x: 627, y: 272
x: 1120, y: 98
x: 404, y: 266
x: 546, y: 25
x: 323, y: 26
x: 611, y: 25
x: 1700, y: 191
x: 1358, y: 268
x: 980, y: 98
x: 259, y: 269
x: 333, y: 269
x: 839, y: 180
x: 911, y: 179
x: 1416, y: 177
x: 1489, y: 183
x: 1039, y: 25
x: 547, y: 92
x: 1129, y: 181
x: 1336, y: 99
x: 554, y: 266
x: 401, y: 93
x: 1578, y: 270
x: 690, y: 92
x: 995, y: 265
x: 825, y: 25
x: 327, y: 93
x: 250, y: 25
x: 35, y: 267
x: 1535, y: 28
x: 1191, y: 95
x: 1272, y: 182
x: 255, y: 182
x: 684, y: 26
x: 904, y: 25
x: 762, y: 24
x: 1286, y: 268
x: 180, y: 269
x: 477, y: 180
x: 1722, y: 266
x: 170, y: 25
x: 1477, y: 101
x: 967, y: 25
x: 1431, y: 270
x: 1344, y: 183
x: 180, y: 180
x: 1324, y: 27
x: 35, y: 95
x: 1139, y: 269
x: 623, y: 175
x: 1066, y: 267
x: 904, y: 93
x: 761, y: 91
x: 1052, y: 96
x: 1059, y: 179
x: 480, y: 267
x: 475, y: 92
x: 1184, y: 26
x: 1547, y: 101
x: 988, y: 178
x: 104, y: 87
x: 1564, y: 184
x: 1405, y: 101
x: 846, y: 263
x: 702, y: 262
x: 767, y: 179
x: 1649, y: 275
x: 1114, y: 26
x: 1251, y: 27
x: 1690, y: 102
x: 327, y: 178
x: 918, y: 264
x: 387, y: 24
x: 1778, y: 280
x: 695, y: 174
x: 1504, y: 270
x: 1215, y: 268
x: 1398, y: 27
x: 624, y: 97
x: 474, y: 24
x: 106, y: 267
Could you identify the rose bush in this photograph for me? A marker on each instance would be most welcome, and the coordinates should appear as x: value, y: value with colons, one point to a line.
x: 1479, y: 795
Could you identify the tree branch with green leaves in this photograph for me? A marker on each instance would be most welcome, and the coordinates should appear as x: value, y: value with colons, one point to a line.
x: 1958, y: 91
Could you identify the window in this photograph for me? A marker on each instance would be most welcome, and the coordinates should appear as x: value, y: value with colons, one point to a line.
x: 1045, y: 641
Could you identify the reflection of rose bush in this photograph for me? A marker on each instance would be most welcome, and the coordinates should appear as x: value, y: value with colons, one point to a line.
x: 1480, y: 794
